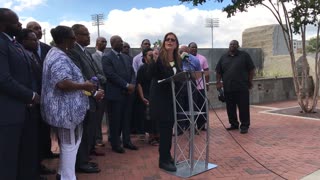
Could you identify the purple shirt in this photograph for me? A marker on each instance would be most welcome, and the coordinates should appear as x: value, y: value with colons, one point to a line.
x: 204, y: 65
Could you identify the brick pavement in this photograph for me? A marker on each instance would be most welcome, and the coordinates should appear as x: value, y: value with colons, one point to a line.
x: 285, y: 147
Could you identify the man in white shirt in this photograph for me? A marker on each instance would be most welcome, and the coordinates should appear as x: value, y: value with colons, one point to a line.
x: 137, y: 60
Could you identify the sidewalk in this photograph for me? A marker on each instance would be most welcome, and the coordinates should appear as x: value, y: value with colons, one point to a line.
x: 276, y: 147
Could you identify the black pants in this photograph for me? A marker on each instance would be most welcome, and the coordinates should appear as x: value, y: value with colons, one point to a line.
x: 240, y: 99
x: 119, y: 113
x: 19, y: 150
x: 165, y: 130
x: 88, y: 138
x: 101, y: 110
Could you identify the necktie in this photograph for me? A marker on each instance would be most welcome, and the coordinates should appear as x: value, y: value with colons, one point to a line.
x: 122, y: 60
x: 18, y: 46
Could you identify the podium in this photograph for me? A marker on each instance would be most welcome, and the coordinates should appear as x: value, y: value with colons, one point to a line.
x: 191, y: 148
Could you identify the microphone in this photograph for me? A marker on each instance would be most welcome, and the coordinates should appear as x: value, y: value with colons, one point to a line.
x: 184, y: 56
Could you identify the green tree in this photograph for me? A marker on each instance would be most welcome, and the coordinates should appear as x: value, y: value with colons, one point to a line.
x: 312, y: 45
x: 293, y: 16
x: 158, y: 43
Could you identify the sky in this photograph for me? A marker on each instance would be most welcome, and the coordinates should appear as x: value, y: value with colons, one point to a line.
x: 135, y: 20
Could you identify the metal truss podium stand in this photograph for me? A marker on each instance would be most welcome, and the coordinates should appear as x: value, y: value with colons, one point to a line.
x: 191, y: 148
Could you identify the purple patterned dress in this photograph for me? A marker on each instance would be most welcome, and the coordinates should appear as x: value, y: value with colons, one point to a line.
x: 62, y: 109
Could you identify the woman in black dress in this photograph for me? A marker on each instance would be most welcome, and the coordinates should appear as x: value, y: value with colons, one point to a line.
x: 161, y: 104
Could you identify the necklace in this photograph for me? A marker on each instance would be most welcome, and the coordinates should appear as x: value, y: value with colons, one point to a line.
x: 172, y: 63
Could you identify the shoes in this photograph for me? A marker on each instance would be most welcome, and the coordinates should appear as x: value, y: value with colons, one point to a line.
x: 46, y: 171
x: 87, y: 168
x: 58, y: 177
x: 97, y: 152
x: 99, y: 143
x: 130, y: 146
x: 93, y: 164
x: 118, y: 149
x: 167, y: 166
x: 52, y: 155
x: 232, y: 128
x: 243, y: 131
x: 154, y: 142
x: 203, y: 129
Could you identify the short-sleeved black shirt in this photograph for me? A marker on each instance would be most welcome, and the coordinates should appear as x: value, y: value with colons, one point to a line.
x: 235, y: 71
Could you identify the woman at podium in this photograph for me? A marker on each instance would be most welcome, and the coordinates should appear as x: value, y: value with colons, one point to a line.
x: 161, y: 104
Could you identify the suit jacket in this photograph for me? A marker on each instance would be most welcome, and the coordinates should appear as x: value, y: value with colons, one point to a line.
x: 44, y: 51
x: 118, y: 72
x: 97, y: 59
x: 15, y: 82
x: 87, y: 66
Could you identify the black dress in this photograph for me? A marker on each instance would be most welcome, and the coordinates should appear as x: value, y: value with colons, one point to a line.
x: 144, y: 80
x: 161, y: 104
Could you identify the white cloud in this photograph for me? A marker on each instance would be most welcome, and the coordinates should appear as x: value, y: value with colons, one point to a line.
x: 19, y: 5
x: 189, y: 25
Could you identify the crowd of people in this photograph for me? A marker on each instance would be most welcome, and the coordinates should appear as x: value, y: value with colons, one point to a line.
x: 66, y: 90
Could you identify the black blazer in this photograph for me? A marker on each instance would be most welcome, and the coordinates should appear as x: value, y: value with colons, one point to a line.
x: 87, y: 66
x: 118, y: 73
x: 15, y: 82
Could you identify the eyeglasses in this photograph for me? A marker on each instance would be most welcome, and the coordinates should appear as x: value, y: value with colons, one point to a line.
x: 170, y: 39
x: 126, y: 46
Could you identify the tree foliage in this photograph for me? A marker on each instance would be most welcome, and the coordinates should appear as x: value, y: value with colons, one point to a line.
x: 293, y: 16
x: 312, y: 45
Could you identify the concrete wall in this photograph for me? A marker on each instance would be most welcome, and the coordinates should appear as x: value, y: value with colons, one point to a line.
x: 213, y: 56
x: 263, y: 91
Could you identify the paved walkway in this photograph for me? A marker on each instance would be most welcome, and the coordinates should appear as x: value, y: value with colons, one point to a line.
x: 276, y: 147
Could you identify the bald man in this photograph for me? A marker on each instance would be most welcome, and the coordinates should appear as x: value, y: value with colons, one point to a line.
x: 101, y: 44
x: 42, y: 47
x: 18, y: 131
x: 44, y: 128
x: 119, y: 87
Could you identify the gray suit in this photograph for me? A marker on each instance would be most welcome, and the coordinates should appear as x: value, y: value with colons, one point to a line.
x: 97, y: 58
x: 101, y: 106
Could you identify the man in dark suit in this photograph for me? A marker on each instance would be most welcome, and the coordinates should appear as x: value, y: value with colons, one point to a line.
x: 44, y: 129
x: 42, y: 47
x: 120, y: 85
x: 16, y: 95
x: 82, y: 58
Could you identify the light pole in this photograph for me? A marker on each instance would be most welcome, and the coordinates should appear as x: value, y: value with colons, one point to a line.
x: 44, y: 35
x: 212, y: 23
x: 97, y: 20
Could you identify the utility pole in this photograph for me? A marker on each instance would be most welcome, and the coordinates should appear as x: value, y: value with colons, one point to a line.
x: 212, y: 23
x: 44, y: 35
x: 97, y: 20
